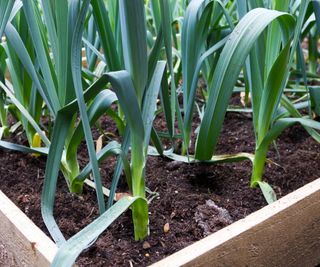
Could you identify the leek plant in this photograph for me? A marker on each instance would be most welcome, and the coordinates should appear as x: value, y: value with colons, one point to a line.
x: 137, y: 98
x: 7, y: 11
x: 47, y: 76
x: 22, y: 86
x: 311, y: 33
x: 144, y: 76
x: 266, y: 68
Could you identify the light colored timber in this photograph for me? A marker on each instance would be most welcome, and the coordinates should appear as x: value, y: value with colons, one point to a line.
x: 22, y: 243
x: 285, y: 233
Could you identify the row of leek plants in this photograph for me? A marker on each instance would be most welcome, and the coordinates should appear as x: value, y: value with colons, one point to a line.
x: 51, y: 58
x: 123, y: 41
x: 262, y: 52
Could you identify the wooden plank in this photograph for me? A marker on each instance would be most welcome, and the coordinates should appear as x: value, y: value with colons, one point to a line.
x: 22, y: 243
x: 285, y: 233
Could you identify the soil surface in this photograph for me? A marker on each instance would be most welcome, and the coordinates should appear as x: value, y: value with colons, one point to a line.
x: 193, y: 200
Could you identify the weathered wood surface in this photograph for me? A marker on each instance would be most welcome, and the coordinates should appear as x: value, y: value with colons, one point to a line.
x: 22, y: 243
x: 285, y: 233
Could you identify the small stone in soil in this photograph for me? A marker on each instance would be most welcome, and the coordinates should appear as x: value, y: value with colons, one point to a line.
x: 172, y: 215
x: 23, y: 198
x: 166, y: 228
x: 146, y: 245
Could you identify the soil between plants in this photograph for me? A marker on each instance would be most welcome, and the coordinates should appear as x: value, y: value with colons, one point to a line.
x: 194, y: 199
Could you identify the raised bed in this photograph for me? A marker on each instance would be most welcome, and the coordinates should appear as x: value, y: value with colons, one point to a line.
x: 285, y: 233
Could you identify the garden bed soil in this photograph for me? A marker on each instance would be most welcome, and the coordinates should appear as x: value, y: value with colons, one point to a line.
x: 194, y: 199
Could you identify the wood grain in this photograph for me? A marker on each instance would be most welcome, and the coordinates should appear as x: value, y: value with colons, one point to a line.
x: 22, y: 243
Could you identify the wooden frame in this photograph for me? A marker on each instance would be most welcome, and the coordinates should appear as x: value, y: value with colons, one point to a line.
x: 285, y: 233
x: 22, y: 243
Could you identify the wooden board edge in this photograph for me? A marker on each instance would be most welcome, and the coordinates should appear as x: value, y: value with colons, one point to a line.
x: 257, y: 239
x: 24, y: 243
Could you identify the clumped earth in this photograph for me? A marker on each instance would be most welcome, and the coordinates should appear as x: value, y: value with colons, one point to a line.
x: 211, y: 218
x: 193, y: 200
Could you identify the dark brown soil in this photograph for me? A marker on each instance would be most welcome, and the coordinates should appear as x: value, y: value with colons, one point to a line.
x: 194, y: 200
